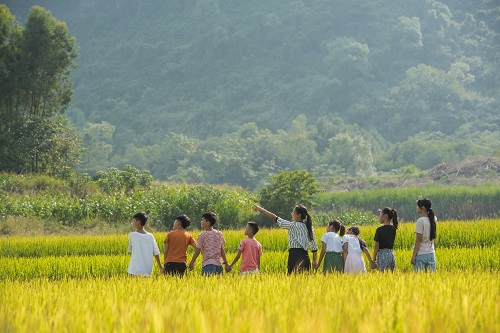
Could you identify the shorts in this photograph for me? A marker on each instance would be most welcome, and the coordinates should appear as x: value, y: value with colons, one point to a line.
x: 386, y: 260
x: 425, y: 262
x: 250, y: 272
x: 175, y: 268
x: 211, y: 270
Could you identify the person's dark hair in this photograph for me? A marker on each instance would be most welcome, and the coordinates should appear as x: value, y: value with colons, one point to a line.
x: 392, y: 214
x: 210, y: 217
x: 355, y: 230
x: 337, y: 225
x: 427, y: 204
x: 141, y: 217
x: 304, y: 215
x: 184, y: 220
x: 254, y: 226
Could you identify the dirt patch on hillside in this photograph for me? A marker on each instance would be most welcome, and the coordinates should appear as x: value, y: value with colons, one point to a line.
x: 476, y: 172
x: 469, y: 169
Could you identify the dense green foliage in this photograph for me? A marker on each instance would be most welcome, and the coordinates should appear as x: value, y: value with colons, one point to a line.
x: 114, y: 180
x: 287, y: 189
x: 162, y: 203
x: 224, y: 92
x: 464, y: 203
x: 34, y: 204
x: 35, y: 70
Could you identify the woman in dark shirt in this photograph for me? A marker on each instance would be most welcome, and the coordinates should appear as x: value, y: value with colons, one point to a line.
x: 385, y: 235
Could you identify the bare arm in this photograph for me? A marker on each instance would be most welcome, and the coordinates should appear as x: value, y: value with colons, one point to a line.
x: 235, y: 260
x: 418, y: 241
x: 322, y: 254
x: 267, y: 213
x: 373, y: 264
x: 315, y: 258
x: 367, y: 254
x: 375, y: 251
x: 344, y: 251
x: 224, y: 259
x: 193, y: 259
x: 223, y: 255
x: 157, y: 258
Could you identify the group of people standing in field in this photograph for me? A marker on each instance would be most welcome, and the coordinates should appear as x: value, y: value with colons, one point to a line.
x: 210, y: 245
x: 341, y: 249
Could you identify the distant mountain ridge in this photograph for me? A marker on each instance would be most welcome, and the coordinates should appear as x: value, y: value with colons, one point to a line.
x: 174, y: 66
x: 207, y: 68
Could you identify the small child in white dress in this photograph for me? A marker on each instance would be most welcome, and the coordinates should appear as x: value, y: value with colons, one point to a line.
x: 353, y: 247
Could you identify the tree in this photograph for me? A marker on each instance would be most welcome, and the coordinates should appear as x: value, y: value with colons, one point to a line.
x: 36, y: 62
x: 349, y: 69
x: 123, y: 181
x: 351, y: 153
x: 426, y: 150
x: 97, y: 141
x: 288, y: 188
x: 428, y: 99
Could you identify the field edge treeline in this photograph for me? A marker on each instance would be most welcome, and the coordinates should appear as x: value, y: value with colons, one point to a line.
x: 449, y: 202
x: 81, y: 204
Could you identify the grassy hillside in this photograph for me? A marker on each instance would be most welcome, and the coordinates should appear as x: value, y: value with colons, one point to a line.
x: 169, y: 66
x: 217, y: 92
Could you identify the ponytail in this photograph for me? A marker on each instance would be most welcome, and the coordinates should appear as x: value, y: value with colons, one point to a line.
x: 362, y: 243
x: 299, y: 209
x: 392, y: 214
x: 427, y: 204
x: 342, y: 230
x: 337, y: 225
x: 309, y: 227
x: 432, y: 219
x: 395, y: 218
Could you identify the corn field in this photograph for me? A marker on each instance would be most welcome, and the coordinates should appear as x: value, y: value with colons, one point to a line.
x: 80, y: 284
x: 458, y: 202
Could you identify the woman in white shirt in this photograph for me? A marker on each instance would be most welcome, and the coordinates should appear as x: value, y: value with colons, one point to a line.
x: 423, y: 258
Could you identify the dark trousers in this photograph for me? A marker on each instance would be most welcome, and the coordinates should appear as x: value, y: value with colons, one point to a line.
x: 298, y: 261
x: 175, y: 268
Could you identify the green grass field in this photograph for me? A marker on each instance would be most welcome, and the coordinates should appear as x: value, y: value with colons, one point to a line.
x: 80, y: 284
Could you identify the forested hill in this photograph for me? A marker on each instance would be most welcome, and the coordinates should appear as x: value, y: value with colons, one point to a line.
x: 204, y: 68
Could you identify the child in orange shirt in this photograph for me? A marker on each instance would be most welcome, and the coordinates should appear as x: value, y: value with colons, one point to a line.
x: 176, y: 244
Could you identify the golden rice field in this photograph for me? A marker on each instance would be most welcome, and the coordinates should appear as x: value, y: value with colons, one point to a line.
x: 80, y: 284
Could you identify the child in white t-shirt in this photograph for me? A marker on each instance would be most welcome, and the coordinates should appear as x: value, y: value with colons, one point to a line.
x: 143, y: 247
x: 331, y: 248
